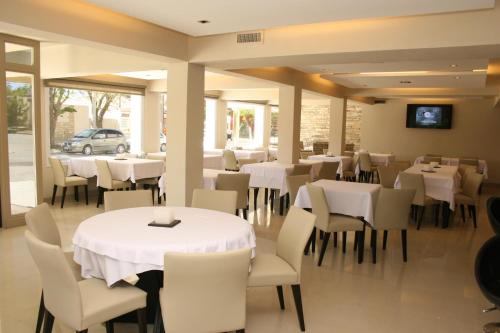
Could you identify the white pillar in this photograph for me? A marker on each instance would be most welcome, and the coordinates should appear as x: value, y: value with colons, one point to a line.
x: 338, y: 110
x: 221, y: 124
x: 151, y: 122
x: 267, y: 126
x: 290, y: 100
x: 184, y: 163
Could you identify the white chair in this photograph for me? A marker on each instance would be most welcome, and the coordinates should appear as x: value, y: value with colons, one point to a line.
x: 126, y: 199
x: 80, y: 304
x: 230, y: 161
x: 470, y: 195
x: 61, y: 180
x: 328, y: 170
x: 106, y: 181
x: 222, y: 201
x: 238, y: 182
x: 387, y: 175
x: 284, y: 268
x: 366, y: 169
x: 204, y: 292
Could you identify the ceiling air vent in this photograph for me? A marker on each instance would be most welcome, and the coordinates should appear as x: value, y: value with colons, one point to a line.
x: 251, y: 37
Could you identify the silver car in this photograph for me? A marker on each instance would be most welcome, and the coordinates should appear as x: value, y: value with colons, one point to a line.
x: 94, y: 140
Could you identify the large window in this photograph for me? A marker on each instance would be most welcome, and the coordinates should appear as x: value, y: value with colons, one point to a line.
x: 245, y: 125
x: 273, y: 140
x: 209, y: 123
x: 94, y: 122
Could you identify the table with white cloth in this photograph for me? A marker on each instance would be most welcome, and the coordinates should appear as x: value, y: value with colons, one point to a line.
x: 441, y: 184
x: 347, y: 198
x: 213, y: 162
x: 121, y: 169
x: 157, y: 156
x: 259, y: 155
x: 344, y: 161
x: 482, y: 166
x: 315, y: 166
x: 381, y: 158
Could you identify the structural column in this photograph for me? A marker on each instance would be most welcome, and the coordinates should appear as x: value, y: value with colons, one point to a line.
x: 338, y: 111
x: 290, y: 100
x: 185, y: 104
x: 151, y: 122
x: 221, y: 124
x: 267, y: 125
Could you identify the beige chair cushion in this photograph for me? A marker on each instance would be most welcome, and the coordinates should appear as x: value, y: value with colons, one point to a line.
x: 462, y: 199
x: 117, y: 184
x: 293, y: 184
x: 238, y: 182
x: 392, y: 211
x: 271, y: 270
x: 344, y: 223
x: 127, y: 199
x: 100, y: 303
x: 75, y: 268
x: 222, y: 201
x: 76, y: 181
x: 147, y: 181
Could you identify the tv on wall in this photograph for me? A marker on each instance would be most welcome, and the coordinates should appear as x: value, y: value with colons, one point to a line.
x: 429, y: 116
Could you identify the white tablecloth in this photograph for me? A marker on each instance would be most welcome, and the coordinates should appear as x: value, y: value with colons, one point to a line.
x: 482, y: 165
x: 209, y: 179
x: 441, y: 185
x: 315, y: 166
x: 118, y: 244
x: 381, y: 158
x: 213, y: 162
x: 157, y: 156
x: 269, y: 175
x: 347, y: 198
x: 131, y: 168
x: 259, y: 155
x: 344, y: 161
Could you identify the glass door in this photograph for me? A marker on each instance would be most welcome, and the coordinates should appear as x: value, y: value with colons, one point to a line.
x: 19, y: 128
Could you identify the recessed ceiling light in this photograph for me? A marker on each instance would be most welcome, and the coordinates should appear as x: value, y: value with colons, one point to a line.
x: 395, y: 73
x: 453, y: 65
x: 405, y: 82
x: 457, y: 77
x: 203, y: 21
x: 480, y: 70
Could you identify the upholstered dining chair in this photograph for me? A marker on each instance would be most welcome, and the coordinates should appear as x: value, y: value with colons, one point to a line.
x: 230, y: 161
x: 222, y: 201
x: 106, y: 181
x: 243, y: 161
x: 332, y: 223
x: 349, y: 174
x: 392, y: 212
x: 284, y: 268
x: 293, y: 183
x: 473, y: 161
x: 238, y: 182
x: 41, y: 223
x: 80, y: 304
x: 387, y: 175
x: 400, y: 165
x: 470, y: 195
x: 464, y: 170
x: 304, y: 154
x: 328, y: 170
x: 432, y: 158
x: 204, y: 292
x: 126, y: 199
x: 153, y: 184
x: 420, y: 200
x: 366, y: 169
x: 301, y: 169
x: 61, y: 180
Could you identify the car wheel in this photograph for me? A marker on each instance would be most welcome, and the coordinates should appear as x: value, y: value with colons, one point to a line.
x: 163, y: 147
x: 87, y: 150
x: 120, y: 149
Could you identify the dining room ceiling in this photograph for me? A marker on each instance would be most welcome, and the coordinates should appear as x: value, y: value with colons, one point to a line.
x: 231, y: 16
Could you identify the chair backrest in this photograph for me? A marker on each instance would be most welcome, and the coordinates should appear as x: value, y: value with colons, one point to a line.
x: 400, y: 165
x: 238, y: 182
x: 464, y: 170
x: 393, y: 209
x: 304, y: 154
x: 415, y: 182
x: 365, y: 163
x: 114, y: 200
x: 487, y: 269
x: 222, y: 201
x: 205, y: 292
x: 355, y: 162
x: 230, y: 161
x: 387, y: 175
x: 58, y: 171
x: 243, y: 161
x: 349, y: 153
x: 293, y: 237
x: 431, y: 158
x: 493, y: 208
x: 472, y: 185
x: 41, y: 223
x: 61, y: 293
x: 293, y: 183
x: 104, y: 174
x: 469, y: 161
x: 301, y: 169
x: 319, y: 206
x: 329, y: 170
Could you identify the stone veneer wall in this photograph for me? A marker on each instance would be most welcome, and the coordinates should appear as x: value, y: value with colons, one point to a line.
x: 353, y: 125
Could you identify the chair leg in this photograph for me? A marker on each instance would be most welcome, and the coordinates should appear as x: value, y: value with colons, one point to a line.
x: 297, y: 297
x: 326, y: 237
x: 384, y: 242
x: 436, y: 215
x: 54, y: 191
x: 63, y: 196
x: 344, y: 241
x: 158, y: 324
x: 356, y: 236
x: 41, y: 312
x: 110, y: 327
x: 334, y: 239
x: 100, y: 194
x: 462, y: 212
x: 266, y: 196
x: 473, y: 209
x: 86, y: 189
x: 84, y: 331
x: 279, y: 289
x: 422, y: 212
x: 282, y: 204
x: 48, y: 322
x: 404, y: 244
x: 361, y: 245
x: 244, y: 213
x: 142, y: 320
x: 255, y: 195
x: 240, y: 331
x: 77, y: 197
x: 310, y: 242
x: 374, y: 246
x: 272, y: 199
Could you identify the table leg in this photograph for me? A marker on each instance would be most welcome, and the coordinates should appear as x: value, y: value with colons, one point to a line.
x: 446, y: 214
x: 255, y: 195
x: 282, y: 204
x: 266, y: 196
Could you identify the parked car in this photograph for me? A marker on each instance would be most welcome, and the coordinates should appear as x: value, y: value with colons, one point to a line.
x: 93, y: 140
x: 163, y: 142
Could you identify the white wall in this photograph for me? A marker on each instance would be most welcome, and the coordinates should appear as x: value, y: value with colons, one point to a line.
x: 475, y: 132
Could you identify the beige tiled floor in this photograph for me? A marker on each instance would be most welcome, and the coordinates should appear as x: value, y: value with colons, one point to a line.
x: 434, y: 292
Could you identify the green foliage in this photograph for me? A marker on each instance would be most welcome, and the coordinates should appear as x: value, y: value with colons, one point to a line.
x: 18, y: 105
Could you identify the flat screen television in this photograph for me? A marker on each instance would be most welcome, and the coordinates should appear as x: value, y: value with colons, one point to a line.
x: 429, y: 116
